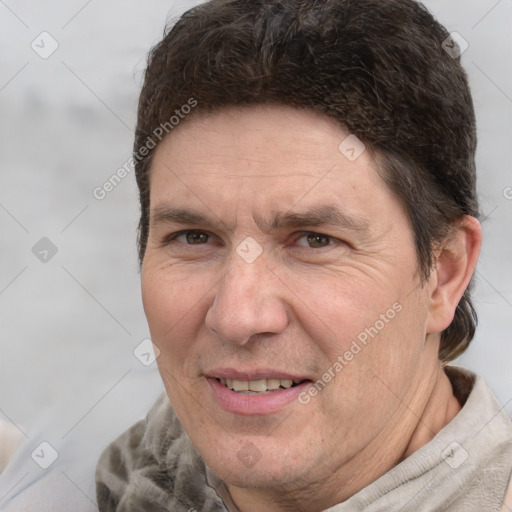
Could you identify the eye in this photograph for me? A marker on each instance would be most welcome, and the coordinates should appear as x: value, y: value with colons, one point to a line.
x: 315, y: 240
x: 191, y: 237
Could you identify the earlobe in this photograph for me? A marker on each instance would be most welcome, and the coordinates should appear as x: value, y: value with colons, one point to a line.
x: 455, y: 264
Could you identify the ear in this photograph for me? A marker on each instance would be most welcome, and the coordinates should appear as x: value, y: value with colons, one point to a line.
x: 455, y: 264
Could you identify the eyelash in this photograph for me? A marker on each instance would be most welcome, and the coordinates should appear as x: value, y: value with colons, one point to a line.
x: 172, y: 237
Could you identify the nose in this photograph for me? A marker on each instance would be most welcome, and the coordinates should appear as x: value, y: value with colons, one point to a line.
x: 248, y: 301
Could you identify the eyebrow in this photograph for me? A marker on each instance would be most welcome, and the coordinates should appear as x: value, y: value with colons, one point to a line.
x: 314, y: 217
x: 164, y: 215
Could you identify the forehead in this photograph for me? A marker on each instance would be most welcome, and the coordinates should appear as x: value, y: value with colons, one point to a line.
x: 265, y: 155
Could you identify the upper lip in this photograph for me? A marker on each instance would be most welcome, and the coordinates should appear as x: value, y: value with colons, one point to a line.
x: 253, y: 374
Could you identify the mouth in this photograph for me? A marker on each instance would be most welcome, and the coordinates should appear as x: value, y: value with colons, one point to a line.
x: 260, y: 386
x: 256, y: 392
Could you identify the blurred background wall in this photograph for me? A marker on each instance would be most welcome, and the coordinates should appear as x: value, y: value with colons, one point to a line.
x: 70, y: 308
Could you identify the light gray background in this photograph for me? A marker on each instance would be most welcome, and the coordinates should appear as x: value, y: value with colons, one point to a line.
x: 68, y: 375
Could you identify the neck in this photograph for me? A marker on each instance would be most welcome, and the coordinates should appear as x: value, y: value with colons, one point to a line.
x: 430, y: 407
x: 441, y: 408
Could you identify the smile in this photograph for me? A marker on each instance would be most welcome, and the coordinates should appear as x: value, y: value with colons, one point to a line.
x: 258, y: 387
x: 255, y: 396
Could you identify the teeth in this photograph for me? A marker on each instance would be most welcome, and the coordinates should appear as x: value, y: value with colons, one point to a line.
x: 241, y: 385
x: 258, y: 386
x: 273, y: 383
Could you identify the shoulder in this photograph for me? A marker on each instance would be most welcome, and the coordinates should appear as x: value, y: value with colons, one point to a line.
x: 152, y: 466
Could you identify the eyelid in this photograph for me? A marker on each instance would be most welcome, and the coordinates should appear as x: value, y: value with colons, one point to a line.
x: 166, y: 239
x: 298, y: 235
x: 295, y: 237
x: 302, y: 233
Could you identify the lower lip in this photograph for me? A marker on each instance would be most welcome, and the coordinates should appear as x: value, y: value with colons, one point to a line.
x: 250, y: 405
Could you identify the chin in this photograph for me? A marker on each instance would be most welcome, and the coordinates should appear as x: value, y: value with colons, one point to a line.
x: 242, y: 464
x: 257, y: 476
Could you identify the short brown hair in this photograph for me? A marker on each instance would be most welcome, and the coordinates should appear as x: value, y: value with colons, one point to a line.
x: 378, y: 67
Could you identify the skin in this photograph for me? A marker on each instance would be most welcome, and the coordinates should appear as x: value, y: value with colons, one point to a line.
x: 297, y: 307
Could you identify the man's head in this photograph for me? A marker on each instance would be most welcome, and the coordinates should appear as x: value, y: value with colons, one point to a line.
x: 378, y: 68
x: 310, y: 216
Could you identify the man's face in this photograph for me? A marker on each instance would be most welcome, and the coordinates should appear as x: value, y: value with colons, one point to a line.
x: 272, y: 254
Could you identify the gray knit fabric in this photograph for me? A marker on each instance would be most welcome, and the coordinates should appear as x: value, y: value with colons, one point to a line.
x: 153, y: 467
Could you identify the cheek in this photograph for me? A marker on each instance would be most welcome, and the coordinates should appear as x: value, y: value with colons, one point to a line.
x: 371, y: 365
x: 336, y: 305
x: 174, y: 308
x: 365, y: 329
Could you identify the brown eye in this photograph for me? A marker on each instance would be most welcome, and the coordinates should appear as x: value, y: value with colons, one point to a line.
x: 196, y: 237
x: 317, y: 240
